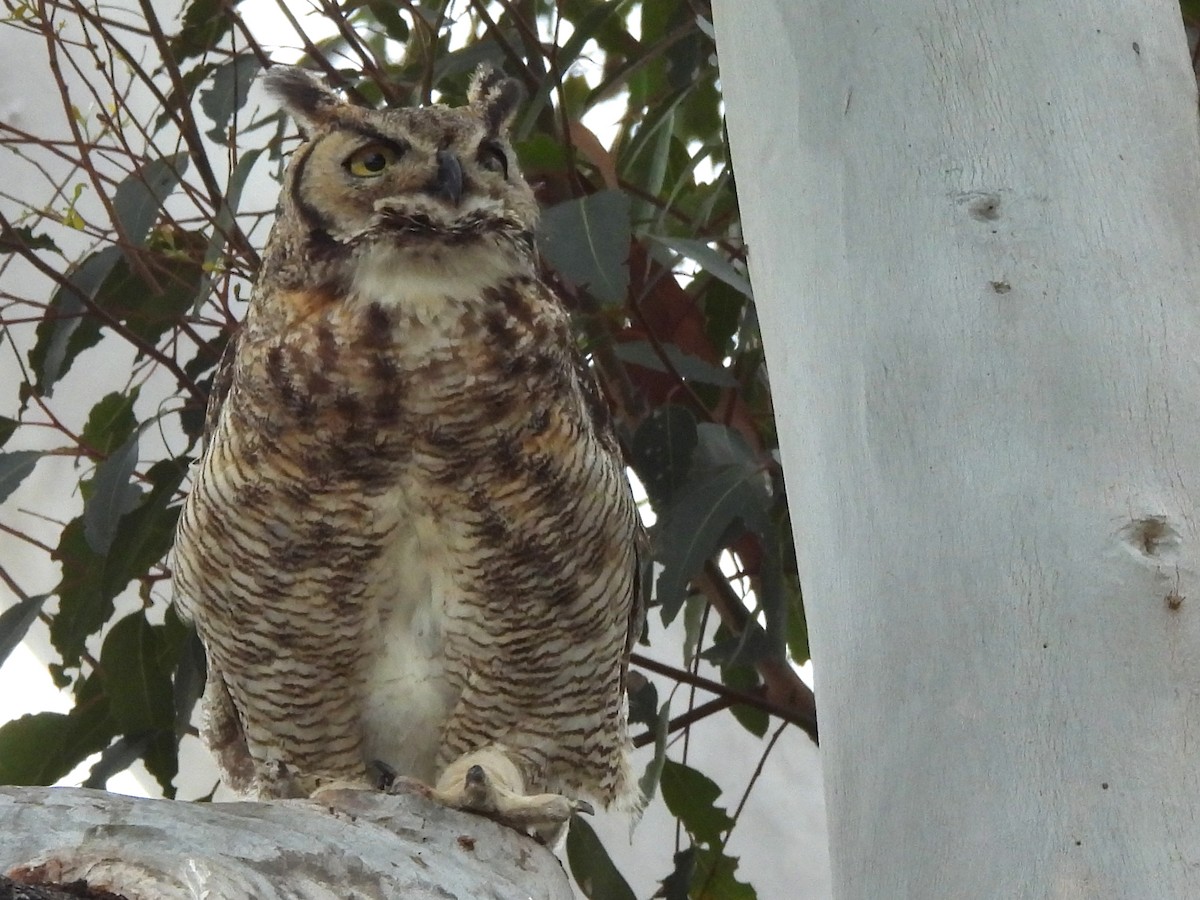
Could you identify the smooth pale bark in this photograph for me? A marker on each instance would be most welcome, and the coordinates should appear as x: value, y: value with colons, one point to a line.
x: 354, y: 844
x: 973, y: 234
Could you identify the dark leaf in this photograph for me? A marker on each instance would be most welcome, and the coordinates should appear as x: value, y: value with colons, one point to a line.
x: 715, y: 877
x: 662, y: 449
x: 691, y: 797
x: 643, y: 701
x: 15, y: 466
x: 15, y: 622
x: 139, y: 198
x: 64, y: 331
x: 22, y: 238
x: 224, y: 225
x: 744, y: 678
x: 676, y: 885
x: 146, y: 313
x: 691, y: 368
x: 648, y: 783
x: 708, y: 259
x: 587, y: 242
x: 594, y: 872
x: 110, y: 497
x: 91, y: 581
x: 115, y: 758
x: 111, y: 422
x: 84, y: 606
x: 205, y: 22
x: 42, y: 748
x: 188, y: 683
x: 162, y: 761
x: 702, y: 518
x: 387, y: 15
x: 230, y: 87
x: 7, y: 427
x: 139, y: 691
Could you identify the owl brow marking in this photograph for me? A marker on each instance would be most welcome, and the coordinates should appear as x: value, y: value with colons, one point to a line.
x: 371, y: 136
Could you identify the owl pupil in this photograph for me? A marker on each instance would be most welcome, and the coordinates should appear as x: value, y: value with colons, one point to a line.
x: 374, y: 162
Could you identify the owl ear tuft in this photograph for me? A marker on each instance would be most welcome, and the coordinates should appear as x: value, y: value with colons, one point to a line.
x: 303, y: 95
x: 495, y: 97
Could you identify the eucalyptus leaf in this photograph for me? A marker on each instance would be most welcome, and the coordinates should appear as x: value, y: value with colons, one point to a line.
x: 690, y: 368
x: 591, y: 866
x: 110, y: 497
x: 662, y: 449
x: 691, y: 796
x: 230, y: 87
x: 707, y: 259
x: 137, y: 684
x: 587, y: 242
x: 223, y: 225
x: 15, y: 466
x: 64, y: 331
x: 115, y: 758
x: 139, y: 198
x: 16, y: 621
x: 22, y: 239
x: 648, y: 783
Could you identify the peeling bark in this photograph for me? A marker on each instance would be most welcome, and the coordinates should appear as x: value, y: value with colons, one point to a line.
x: 354, y: 844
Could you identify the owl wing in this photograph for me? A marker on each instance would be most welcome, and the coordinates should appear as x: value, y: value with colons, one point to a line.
x: 602, y: 420
x: 222, y: 381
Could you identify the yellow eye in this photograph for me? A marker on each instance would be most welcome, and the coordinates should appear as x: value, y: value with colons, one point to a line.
x: 371, y: 160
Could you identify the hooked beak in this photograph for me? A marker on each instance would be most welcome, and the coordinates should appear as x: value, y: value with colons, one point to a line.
x: 448, y: 184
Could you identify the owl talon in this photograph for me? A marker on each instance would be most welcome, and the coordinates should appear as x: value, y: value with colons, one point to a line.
x: 493, y: 788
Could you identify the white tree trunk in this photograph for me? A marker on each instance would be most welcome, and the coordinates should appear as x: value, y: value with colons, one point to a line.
x: 357, y: 844
x: 973, y: 233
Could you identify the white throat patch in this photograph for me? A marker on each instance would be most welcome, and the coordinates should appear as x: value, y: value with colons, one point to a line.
x: 427, y: 281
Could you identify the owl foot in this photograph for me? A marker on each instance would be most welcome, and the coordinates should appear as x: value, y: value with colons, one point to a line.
x: 486, y: 782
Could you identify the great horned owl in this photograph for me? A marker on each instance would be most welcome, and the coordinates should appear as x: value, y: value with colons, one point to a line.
x: 410, y: 538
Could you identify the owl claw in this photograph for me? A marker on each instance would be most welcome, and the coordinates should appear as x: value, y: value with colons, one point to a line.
x: 487, y: 792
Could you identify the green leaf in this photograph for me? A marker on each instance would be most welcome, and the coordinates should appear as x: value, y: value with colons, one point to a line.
x: 7, y: 428
x: 15, y: 466
x: 648, y: 783
x: 224, y: 225
x: 691, y: 368
x: 676, y: 885
x: 111, y: 422
x: 587, y: 242
x: 15, y: 622
x: 744, y: 678
x: 691, y: 796
x: 22, y: 238
x: 90, y: 581
x: 715, y: 879
x: 65, y: 331
x: 594, y: 872
x: 84, y: 604
x: 136, y: 682
x: 147, y: 313
x: 205, y: 22
x: 44, y: 747
x: 139, y: 198
x: 230, y: 87
x: 188, y: 682
x: 707, y: 259
x: 662, y: 449
x: 110, y: 497
x: 704, y: 517
x: 115, y: 758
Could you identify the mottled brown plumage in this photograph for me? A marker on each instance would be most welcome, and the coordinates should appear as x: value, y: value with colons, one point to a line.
x: 410, y: 538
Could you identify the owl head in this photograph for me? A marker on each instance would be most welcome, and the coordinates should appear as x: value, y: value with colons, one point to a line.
x: 404, y: 188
